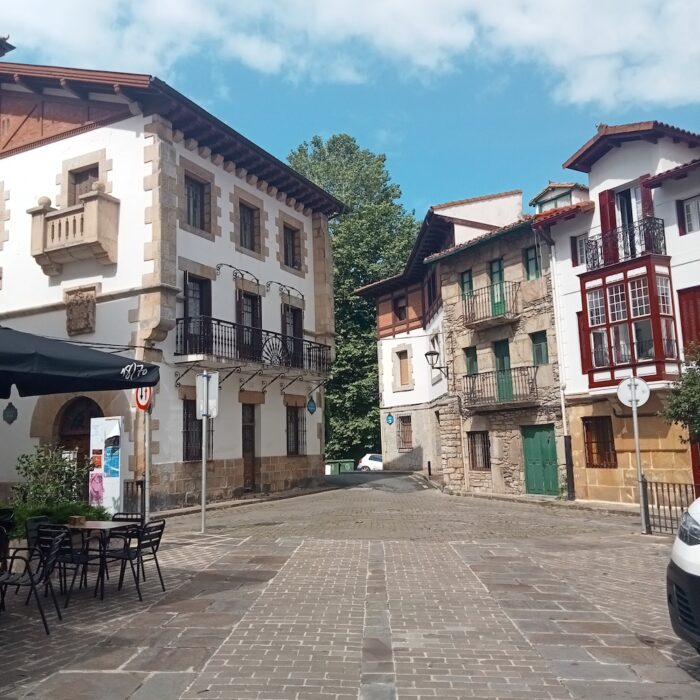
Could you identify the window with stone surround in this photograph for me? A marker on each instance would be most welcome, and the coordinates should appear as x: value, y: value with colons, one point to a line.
x: 540, y: 352
x: 479, y: 449
x: 250, y: 227
x: 296, y: 430
x: 599, y: 442
x: 197, y: 197
x: 404, y: 433
x: 192, y: 433
x: 80, y: 182
x: 292, y: 247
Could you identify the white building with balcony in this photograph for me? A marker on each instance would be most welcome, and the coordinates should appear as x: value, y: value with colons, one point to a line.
x: 132, y: 219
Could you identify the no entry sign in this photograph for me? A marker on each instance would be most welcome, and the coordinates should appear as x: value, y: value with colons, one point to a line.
x: 144, y: 396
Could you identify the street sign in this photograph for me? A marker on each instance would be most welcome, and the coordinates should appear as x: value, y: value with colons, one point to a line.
x: 628, y: 393
x: 144, y: 396
x: 212, y: 391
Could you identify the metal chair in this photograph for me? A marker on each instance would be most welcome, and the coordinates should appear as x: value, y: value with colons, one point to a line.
x: 7, y: 519
x: 36, y: 571
x: 31, y: 528
x: 140, y: 545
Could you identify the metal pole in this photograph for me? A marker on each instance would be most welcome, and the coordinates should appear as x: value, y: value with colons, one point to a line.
x: 205, y: 431
x: 147, y: 466
x: 635, y: 425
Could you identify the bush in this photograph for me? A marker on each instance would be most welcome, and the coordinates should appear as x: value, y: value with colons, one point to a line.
x: 57, y: 513
x: 47, y: 476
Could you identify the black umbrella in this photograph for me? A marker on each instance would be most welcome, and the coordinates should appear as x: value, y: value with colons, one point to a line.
x: 37, y: 365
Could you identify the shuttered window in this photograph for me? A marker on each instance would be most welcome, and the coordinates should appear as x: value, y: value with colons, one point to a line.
x: 540, y: 353
x: 689, y: 308
x: 404, y: 433
x: 479, y: 451
x: 80, y: 182
x: 599, y: 442
x: 531, y: 260
x: 470, y: 359
x: 404, y: 369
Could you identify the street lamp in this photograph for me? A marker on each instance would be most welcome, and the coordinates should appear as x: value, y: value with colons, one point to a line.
x: 432, y: 358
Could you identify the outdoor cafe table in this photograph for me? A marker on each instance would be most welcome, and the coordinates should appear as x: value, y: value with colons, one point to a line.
x: 103, y: 529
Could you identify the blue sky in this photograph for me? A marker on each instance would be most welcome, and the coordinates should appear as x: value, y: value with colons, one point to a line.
x: 465, y: 97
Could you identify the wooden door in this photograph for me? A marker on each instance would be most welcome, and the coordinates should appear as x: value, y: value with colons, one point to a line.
x: 498, y: 300
x: 540, y: 457
x: 248, y: 443
x: 504, y: 379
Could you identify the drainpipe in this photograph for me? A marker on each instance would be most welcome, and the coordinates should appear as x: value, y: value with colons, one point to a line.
x: 570, y: 491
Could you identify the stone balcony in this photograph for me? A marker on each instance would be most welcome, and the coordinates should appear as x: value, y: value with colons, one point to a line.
x: 85, y: 231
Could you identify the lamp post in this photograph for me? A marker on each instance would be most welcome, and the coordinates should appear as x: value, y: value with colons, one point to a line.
x: 432, y: 357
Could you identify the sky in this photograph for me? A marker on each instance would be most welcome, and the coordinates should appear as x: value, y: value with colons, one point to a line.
x: 465, y: 97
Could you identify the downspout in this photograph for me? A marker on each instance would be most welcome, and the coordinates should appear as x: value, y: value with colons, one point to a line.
x: 570, y: 490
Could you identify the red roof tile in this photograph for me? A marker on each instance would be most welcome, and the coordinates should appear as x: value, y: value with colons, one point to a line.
x: 551, y: 216
x: 482, y: 198
x: 558, y: 185
x: 677, y: 173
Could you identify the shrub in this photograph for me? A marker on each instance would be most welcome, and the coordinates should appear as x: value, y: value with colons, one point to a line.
x: 57, y: 513
x: 47, y: 476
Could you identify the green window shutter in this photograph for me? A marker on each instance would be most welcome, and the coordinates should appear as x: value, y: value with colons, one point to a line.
x: 540, y: 355
x: 532, y: 263
x: 471, y: 361
x: 466, y: 283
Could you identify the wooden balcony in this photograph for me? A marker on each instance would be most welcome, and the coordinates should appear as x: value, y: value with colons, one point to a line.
x: 85, y: 231
x: 504, y: 388
x: 491, y: 305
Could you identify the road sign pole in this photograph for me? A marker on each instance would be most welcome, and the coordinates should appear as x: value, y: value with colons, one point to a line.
x: 635, y: 426
x: 147, y: 466
x: 205, y: 431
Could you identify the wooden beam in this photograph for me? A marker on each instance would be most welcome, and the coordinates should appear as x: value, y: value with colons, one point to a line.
x: 71, y: 89
x: 27, y: 85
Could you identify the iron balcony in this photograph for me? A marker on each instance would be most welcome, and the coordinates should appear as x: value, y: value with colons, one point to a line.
x: 491, y: 305
x: 204, y: 335
x: 502, y: 387
x: 626, y: 243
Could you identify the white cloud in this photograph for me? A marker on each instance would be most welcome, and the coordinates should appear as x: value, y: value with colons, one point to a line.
x: 590, y: 51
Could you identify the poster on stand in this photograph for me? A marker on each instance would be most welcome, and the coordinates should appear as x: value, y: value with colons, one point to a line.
x: 105, y: 483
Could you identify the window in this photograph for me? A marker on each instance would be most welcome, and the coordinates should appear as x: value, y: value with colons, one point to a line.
x: 192, y: 433
x: 668, y: 338
x: 470, y: 360
x: 540, y: 353
x: 198, y: 332
x: 643, y: 340
x: 689, y: 215
x: 196, y: 194
x: 600, y: 445
x: 599, y: 347
x: 250, y: 227
x: 375, y: 458
x: 639, y: 297
x: 596, y: 308
x: 621, y: 343
x: 578, y: 249
x: 479, y: 451
x: 663, y: 286
x: 292, y: 247
x: 400, y: 308
x: 562, y: 200
x: 404, y: 433
x: 81, y: 182
x: 617, y: 302
x: 431, y: 288
x: 404, y: 368
x: 531, y: 260
x: 296, y: 430
x: 466, y: 283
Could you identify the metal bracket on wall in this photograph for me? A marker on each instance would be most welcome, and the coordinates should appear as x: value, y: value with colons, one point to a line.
x: 288, y: 384
x: 317, y: 386
x: 228, y: 374
x: 257, y: 373
x: 274, y: 379
x: 179, y: 375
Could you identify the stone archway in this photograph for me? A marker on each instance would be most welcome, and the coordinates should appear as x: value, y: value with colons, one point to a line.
x: 72, y: 426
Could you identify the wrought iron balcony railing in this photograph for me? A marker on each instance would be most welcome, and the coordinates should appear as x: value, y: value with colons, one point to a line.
x: 491, y: 304
x: 631, y: 353
x: 203, y: 335
x: 626, y: 243
x: 501, y: 386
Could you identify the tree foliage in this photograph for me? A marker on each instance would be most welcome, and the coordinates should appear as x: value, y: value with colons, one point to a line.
x: 370, y: 242
x: 683, y: 405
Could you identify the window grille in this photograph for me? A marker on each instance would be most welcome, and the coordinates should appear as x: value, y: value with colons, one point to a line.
x: 192, y: 433
x: 479, y: 451
x: 600, y: 444
x: 405, y: 433
x: 296, y: 430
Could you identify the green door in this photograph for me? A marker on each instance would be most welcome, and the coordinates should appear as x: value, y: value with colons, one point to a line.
x: 540, y: 454
x: 504, y: 379
x: 498, y: 298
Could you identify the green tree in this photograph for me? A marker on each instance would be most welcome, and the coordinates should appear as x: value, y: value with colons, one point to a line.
x: 370, y: 242
x: 683, y: 405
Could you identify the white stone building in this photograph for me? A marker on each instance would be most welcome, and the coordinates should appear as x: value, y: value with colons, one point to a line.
x: 130, y: 216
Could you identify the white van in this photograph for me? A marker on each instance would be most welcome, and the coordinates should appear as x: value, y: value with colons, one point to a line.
x: 683, y: 578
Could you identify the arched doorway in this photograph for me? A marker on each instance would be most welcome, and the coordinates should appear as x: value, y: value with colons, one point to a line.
x: 73, y: 426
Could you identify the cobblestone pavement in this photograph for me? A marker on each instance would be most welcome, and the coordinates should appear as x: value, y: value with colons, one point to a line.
x: 384, y: 589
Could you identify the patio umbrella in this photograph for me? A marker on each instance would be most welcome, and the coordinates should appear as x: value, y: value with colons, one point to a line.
x: 38, y: 365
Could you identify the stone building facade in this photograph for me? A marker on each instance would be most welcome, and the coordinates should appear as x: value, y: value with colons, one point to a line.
x: 505, y: 433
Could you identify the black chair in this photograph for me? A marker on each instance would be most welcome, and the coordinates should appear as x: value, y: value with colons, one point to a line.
x: 31, y: 529
x: 7, y: 519
x: 131, y: 521
x: 37, y: 567
x: 140, y: 545
x: 4, y: 548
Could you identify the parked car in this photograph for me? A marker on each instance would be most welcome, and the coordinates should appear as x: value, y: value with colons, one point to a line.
x: 683, y: 578
x: 370, y: 463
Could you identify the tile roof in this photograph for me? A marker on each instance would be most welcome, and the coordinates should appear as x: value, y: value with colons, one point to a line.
x: 558, y: 185
x: 551, y: 216
x: 527, y: 219
x: 609, y: 136
x: 482, y: 198
x: 677, y: 173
